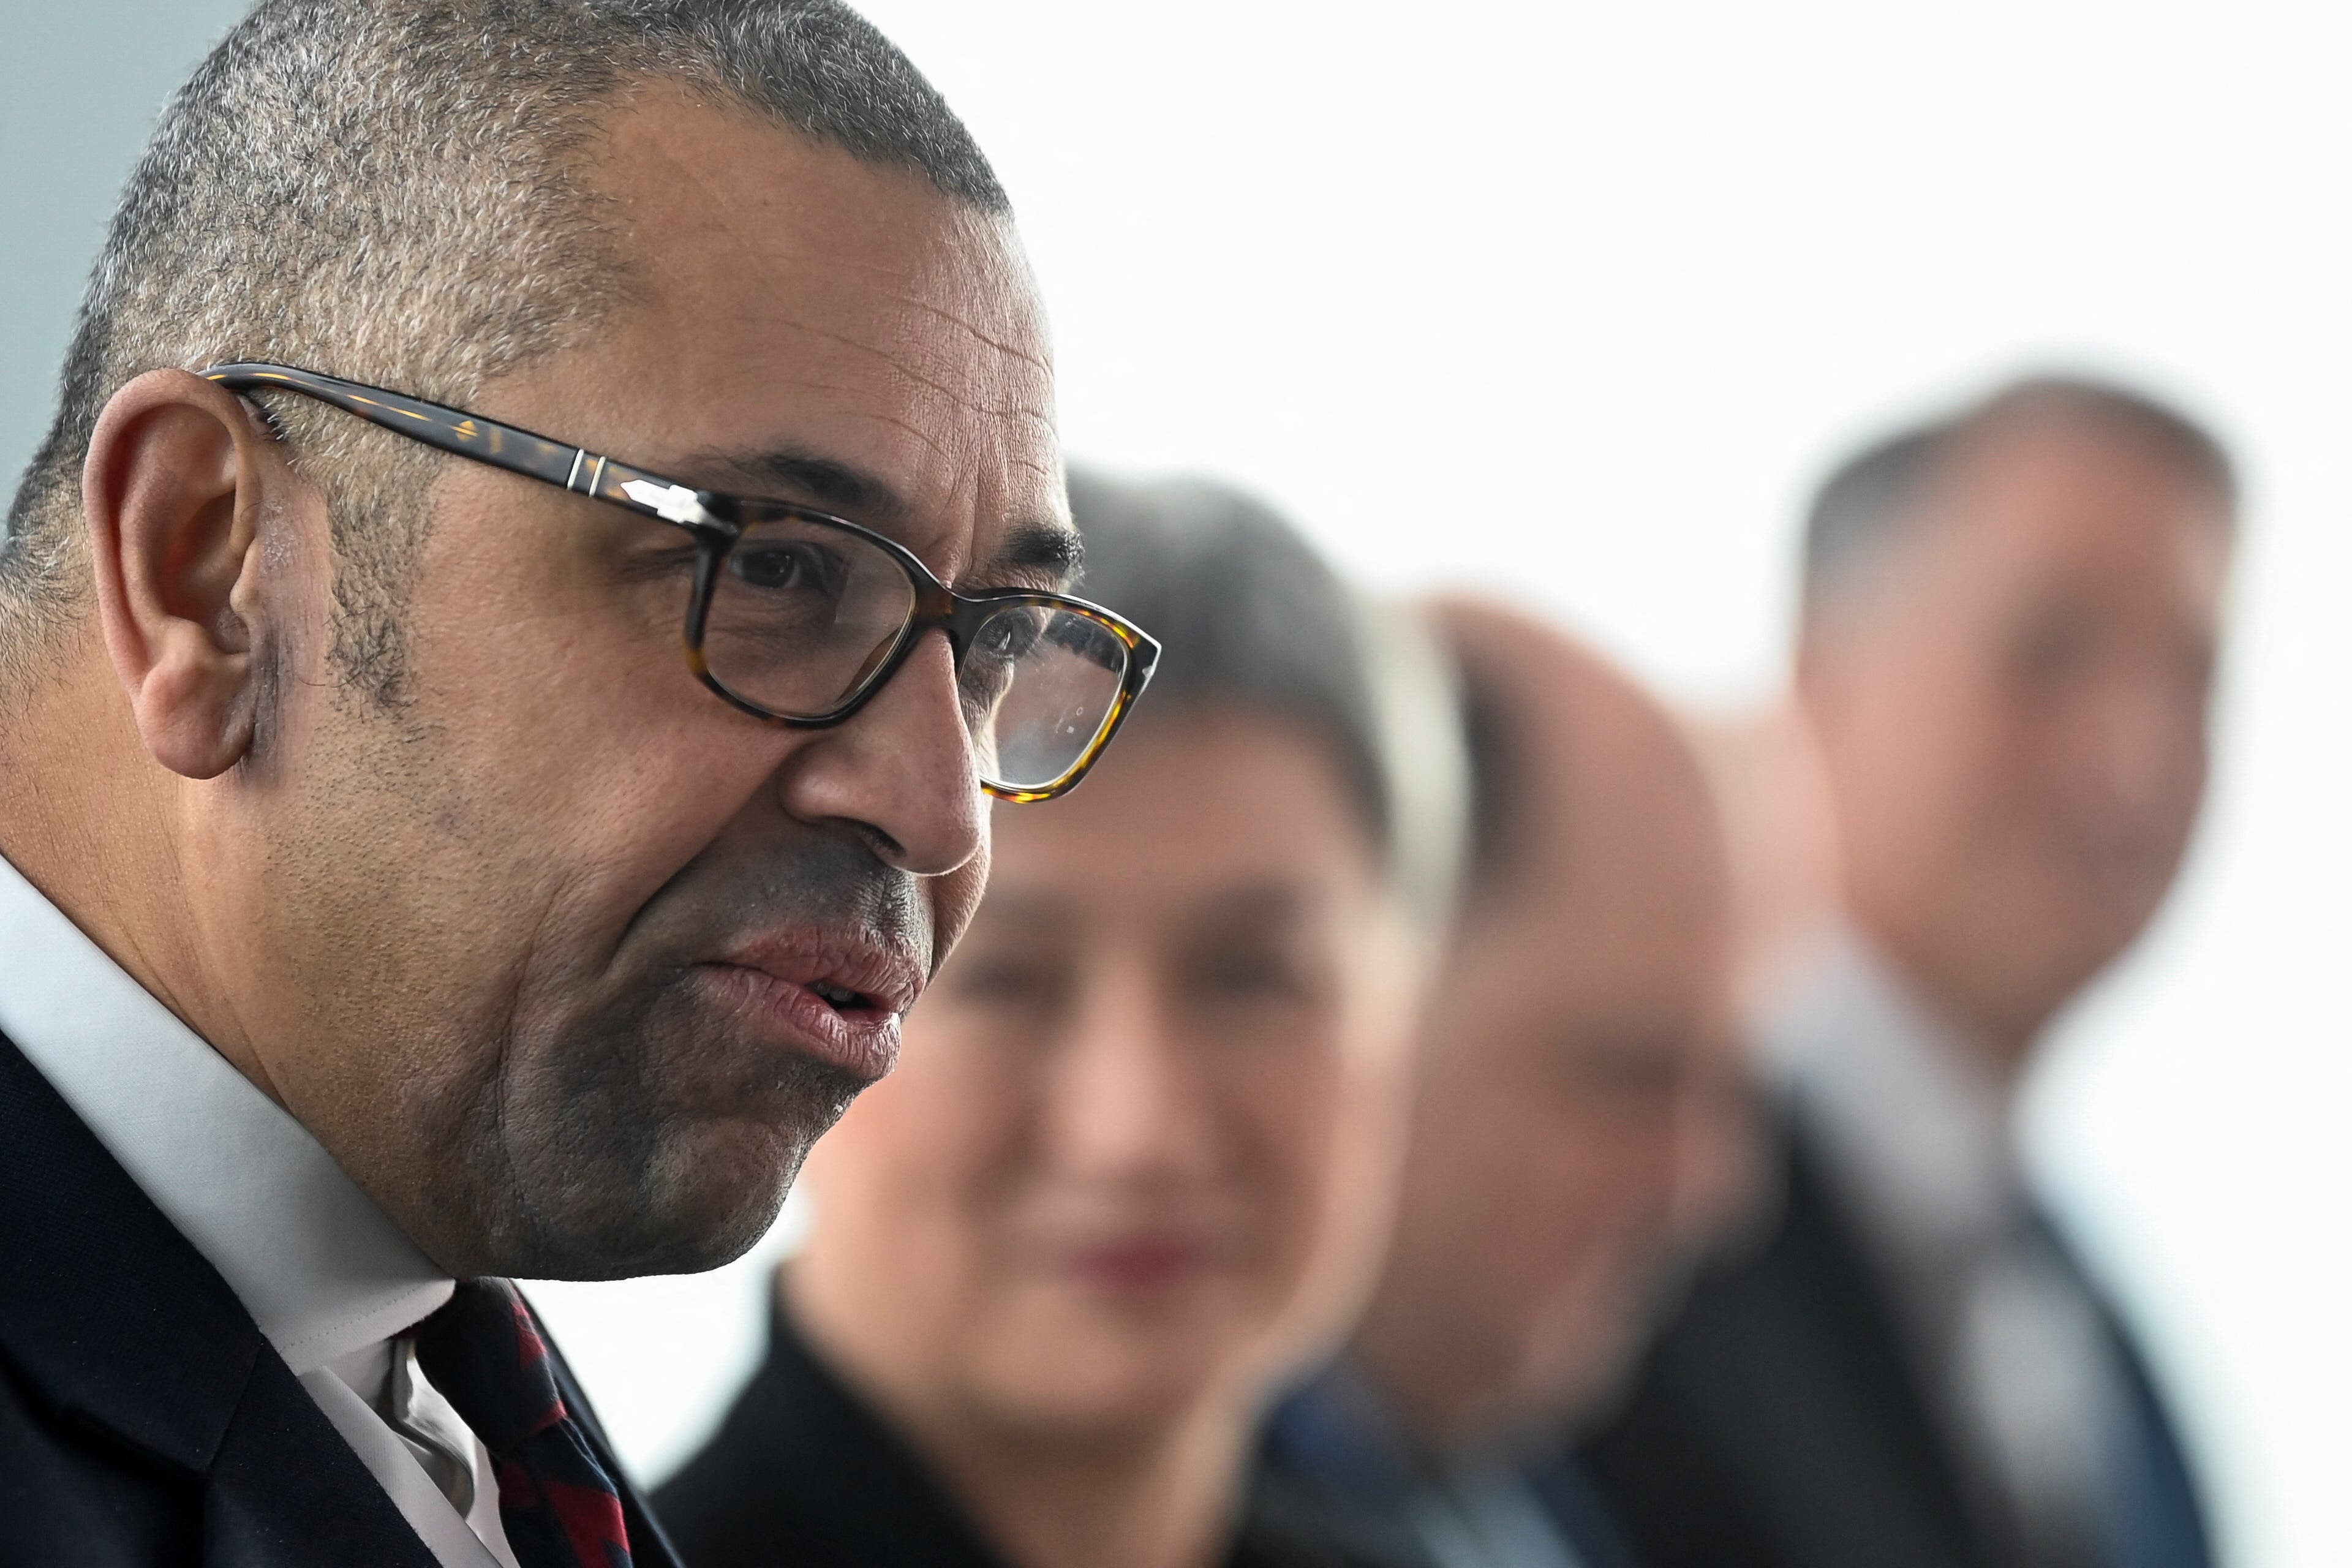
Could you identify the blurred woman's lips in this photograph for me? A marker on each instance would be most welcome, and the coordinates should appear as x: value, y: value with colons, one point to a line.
x: 1137, y: 1265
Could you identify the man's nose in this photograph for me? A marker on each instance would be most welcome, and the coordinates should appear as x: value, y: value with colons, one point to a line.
x: 903, y: 769
x: 2138, y: 748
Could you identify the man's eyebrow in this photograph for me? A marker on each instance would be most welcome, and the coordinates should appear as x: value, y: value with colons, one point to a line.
x: 1032, y: 549
x: 785, y: 474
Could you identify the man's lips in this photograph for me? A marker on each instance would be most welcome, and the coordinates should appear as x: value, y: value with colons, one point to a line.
x: 879, y: 975
x: 836, y: 999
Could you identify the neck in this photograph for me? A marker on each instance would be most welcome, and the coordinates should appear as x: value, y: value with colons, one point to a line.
x: 2000, y: 1032
x: 1162, y: 1500
x: 1165, y: 1495
x: 84, y: 817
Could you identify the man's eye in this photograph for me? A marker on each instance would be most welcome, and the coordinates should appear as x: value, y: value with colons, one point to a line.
x: 1007, y: 637
x: 2047, y: 651
x: 783, y: 568
x: 997, y: 651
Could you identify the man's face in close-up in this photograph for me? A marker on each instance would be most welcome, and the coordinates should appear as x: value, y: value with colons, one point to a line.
x: 2014, y: 714
x: 535, y: 953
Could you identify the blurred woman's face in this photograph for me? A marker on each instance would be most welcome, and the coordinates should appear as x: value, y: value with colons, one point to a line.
x: 1140, y: 1146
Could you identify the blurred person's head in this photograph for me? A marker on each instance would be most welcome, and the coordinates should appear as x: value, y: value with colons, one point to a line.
x: 2011, y: 622
x: 1580, y: 1127
x: 1140, y: 1160
x: 384, y: 768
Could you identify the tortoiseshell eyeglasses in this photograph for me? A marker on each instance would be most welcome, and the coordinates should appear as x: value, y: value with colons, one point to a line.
x: 799, y: 618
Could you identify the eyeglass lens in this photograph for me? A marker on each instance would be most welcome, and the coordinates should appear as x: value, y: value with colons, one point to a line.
x: 1039, y: 685
x: 802, y: 614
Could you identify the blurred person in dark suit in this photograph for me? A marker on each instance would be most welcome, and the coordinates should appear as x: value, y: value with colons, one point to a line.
x: 1581, y: 1131
x: 2011, y: 623
x: 1137, y: 1171
x: 436, y: 852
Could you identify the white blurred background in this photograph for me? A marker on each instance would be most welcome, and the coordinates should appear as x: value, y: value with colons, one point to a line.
x: 1573, y: 303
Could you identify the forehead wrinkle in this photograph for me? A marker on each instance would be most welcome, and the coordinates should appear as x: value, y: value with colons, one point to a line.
x: 903, y: 284
x: 899, y: 361
x: 1050, y: 470
x: 958, y: 568
x: 899, y: 284
x: 908, y: 351
x: 906, y: 348
x: 901, y: 365
x: 1011, y: 351
x: 1013, y: 408
x: 922, y: 437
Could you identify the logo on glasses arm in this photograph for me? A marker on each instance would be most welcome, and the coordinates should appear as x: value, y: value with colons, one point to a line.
x: 672, y: 503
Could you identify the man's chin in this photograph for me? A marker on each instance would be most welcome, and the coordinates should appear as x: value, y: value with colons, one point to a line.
x: 715, y: 1189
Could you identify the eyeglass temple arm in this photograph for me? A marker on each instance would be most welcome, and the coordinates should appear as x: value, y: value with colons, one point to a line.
x: 506, y: 446
x: 575, y: 469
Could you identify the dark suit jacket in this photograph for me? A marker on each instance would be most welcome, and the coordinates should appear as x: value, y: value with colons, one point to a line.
x: 1582, y: 1513
x: 144, y: 1419
x: 1333, y: 1454
x: 1780, y: 1423
x: 803, y: 1475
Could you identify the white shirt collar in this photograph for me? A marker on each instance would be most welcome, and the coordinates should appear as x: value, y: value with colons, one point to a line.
x: 323, y: 1269
x: 1915, y: 1126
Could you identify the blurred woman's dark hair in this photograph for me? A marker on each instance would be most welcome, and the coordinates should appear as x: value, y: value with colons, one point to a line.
x: 1252, y: 616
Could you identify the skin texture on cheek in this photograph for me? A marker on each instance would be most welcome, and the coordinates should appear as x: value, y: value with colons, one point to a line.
x: 524, y: 1036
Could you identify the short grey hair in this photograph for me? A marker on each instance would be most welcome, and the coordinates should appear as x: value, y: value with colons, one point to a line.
x: 1867, y: 499
x: 1251, y: 615
x: 389, y: 190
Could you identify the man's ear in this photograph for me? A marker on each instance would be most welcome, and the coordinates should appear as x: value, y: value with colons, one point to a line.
x: 1810, y: 668
x: 172, y: 495
x: 1825, y: 632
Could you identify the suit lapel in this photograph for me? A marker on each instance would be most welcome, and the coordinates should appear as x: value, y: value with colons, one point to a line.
x: 117, y: 1319
x: 1817, y: 1403
x: 2158, y: 1510
x: 2161, y: 1512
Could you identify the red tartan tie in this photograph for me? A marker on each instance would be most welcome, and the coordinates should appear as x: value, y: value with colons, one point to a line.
x: 560, y: 1506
